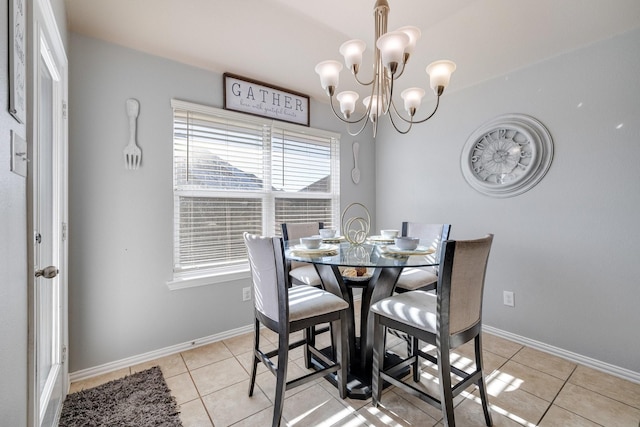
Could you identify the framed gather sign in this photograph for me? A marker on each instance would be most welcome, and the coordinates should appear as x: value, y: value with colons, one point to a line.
x: 261, y: 99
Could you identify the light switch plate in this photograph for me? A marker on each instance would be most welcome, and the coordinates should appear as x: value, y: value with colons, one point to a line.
x: 18, y: 154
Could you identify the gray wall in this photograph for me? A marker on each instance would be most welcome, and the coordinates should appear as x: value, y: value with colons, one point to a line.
x: 569, y: 247
x: 13, y: 259
x: 120, y: 232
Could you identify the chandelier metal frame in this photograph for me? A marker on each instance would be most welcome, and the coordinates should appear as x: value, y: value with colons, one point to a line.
x: 391, y: 54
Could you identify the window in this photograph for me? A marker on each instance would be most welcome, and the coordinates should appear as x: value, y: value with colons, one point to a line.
x: 235, y: 173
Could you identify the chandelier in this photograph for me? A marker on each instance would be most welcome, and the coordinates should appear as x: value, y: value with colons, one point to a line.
x: 392, y: 52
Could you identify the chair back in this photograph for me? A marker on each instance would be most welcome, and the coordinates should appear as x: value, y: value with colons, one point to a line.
x: 293, y: 231
x: 461, y: 284
x: 430, y: 235
x: 266, y: 260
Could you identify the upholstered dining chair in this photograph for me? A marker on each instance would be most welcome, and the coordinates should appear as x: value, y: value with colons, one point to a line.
x: 431, y: 235
x: 285, y: 310
x: 300, y: 273
x: 447, y: 319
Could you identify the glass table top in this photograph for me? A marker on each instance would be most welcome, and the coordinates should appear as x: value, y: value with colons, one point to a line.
x: 366, y: 255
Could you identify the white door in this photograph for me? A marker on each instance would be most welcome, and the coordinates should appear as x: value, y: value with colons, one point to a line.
x: 47, y: 222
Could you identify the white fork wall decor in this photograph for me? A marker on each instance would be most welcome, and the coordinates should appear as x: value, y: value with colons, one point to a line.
x: 132, y: 153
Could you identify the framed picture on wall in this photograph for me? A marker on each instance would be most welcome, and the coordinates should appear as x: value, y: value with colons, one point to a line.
x: 17, y: 60
x: 261, y: 99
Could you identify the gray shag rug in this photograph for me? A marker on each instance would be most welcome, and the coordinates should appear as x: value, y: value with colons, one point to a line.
x: 139, y: 400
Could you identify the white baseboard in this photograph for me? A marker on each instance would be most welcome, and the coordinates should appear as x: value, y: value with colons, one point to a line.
x: 623, y: 373
x: 156, y: 354
x: 167, y: 351
x: 163, y: 352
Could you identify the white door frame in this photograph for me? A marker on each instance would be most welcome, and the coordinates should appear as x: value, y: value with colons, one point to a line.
x: 44, y: 41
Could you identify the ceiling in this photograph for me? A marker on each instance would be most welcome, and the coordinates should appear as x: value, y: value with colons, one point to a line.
x: 280, y: 41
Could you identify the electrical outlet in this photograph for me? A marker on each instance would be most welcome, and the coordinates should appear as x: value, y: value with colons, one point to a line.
x: 508, y: 299
x: 246, y: 294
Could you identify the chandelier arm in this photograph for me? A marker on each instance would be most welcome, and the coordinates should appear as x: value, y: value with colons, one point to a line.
x: 395, y: 110
x: 364, y: 124
x: 361, y: 83
x: 432, y: 113
x: 397, y: 75
x: 335, y: 113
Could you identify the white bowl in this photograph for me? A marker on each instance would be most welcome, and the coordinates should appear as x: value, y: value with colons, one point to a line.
x: 327, y: 233
x: 407, y: 243
x: 312, y: 242
x: 389, y: 234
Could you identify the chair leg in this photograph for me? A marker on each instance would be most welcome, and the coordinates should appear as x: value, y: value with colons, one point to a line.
x: 310, y: 339
x: 256, y: 346
x: 446, y: 393
x: 482, y: 385
x: 378, y: 360
x: 415, y: 345
x: 281, y: 378
x: 339, y: 328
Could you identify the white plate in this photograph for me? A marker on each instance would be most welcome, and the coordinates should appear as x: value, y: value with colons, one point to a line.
x: 380, y: 239
x: 323, y: 249
x: 420, y: 250
x: 335, y: 239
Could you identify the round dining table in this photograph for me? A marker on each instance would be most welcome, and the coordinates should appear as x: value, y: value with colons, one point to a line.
x: 379, y: 265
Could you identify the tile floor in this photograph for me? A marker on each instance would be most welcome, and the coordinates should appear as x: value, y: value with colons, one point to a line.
x: 527, y: 387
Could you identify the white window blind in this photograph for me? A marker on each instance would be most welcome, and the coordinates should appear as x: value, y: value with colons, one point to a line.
x: 235, y: 173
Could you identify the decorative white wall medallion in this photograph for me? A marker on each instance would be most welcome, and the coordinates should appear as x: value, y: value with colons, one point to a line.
x: 507, y: 156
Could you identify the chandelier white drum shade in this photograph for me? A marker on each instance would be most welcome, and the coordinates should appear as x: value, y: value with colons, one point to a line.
x: 391, y: 54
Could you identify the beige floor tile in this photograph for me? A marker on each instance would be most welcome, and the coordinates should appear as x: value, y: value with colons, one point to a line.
x: 193, y: 414
x: 470, y: 414
x: 464, y: 358
x: 428, y: 384
x: 246, y: 360
x: 240, y: 344
x: 296, y: 353
x: 99, y: 380
x: 219, y: 375
x: 510, y: 399
x: 182, y: 388
x: 428, y: 409
x: 559, y: 417
x: 500, y: 346
x: 206, y: 355
x: 545, y: 362
x: 314, y: 406
x: 170, y: 365
x: 395, y: 411
x: 267, y: 381
x: 596, y: 407
x: 233, y: 404
x: 531, y: 380
x: 262, y: 418
x: 269, y: 335
x: 616, y: 388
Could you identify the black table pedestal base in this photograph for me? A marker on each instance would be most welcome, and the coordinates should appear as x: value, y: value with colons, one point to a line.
x: 358, y: 382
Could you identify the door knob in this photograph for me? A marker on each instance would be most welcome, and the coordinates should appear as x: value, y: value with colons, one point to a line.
x: 48, y: 272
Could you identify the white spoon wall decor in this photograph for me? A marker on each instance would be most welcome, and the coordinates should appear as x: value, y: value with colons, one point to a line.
x: 355, y: 172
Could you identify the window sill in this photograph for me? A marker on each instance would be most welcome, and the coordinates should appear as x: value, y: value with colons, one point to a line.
x: 192, y: 280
